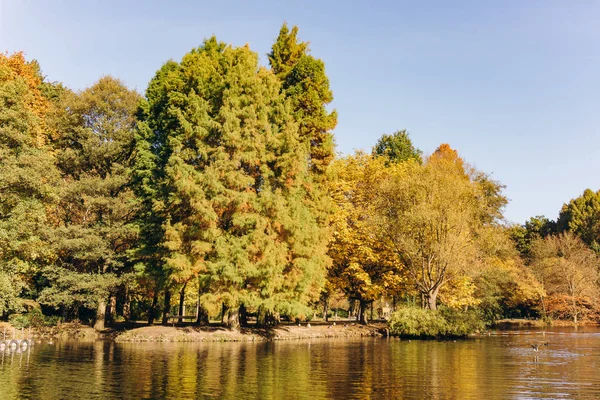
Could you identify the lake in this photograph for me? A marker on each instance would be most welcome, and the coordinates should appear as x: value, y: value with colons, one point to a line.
x: 502, y: 366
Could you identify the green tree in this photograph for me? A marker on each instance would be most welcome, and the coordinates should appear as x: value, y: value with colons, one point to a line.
x: 397, y: 147
x: 304, y: 82
x: 582, y: 217
x: 27, y: 178
x: 96, y: 205
x: 224, y: 178
x: 535, y: 228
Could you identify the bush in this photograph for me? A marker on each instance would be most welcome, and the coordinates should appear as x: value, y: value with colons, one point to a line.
x: 19, y: 321
x: 446, y: 322
x: 417, y: 322
x: 34, y: 319
x: 462, y: 323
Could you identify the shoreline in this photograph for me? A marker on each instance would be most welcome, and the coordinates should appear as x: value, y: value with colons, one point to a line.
x: 218, y: 333
x: 159, y: 333
x: 538, y: 323
x: 191, y: 333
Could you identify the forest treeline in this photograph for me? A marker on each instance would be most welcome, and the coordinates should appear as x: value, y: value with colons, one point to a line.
x: 218, y: 194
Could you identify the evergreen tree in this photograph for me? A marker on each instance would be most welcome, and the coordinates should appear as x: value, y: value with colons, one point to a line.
x: 397, y: 147
x: 305, y: 83
x: 582, y: 217
x: 524, y: 236
x: 224, y: 177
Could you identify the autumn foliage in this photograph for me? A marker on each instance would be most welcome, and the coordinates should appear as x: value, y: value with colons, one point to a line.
x: 219, y: 191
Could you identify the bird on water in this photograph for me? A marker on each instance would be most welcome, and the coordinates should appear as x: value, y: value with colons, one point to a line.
x: 535, y: 347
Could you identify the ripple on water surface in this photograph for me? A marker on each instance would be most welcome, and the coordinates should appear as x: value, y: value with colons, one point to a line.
x: 501, y: 366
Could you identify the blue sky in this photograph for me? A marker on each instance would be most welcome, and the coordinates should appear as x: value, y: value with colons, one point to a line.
x: 514, y: 86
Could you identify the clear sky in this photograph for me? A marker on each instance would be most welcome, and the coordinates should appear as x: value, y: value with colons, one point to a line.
x: 514, y: 86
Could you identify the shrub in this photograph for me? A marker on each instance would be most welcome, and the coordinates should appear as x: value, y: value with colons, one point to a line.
x: 34, y: 319
x: 462, y: 323
x: 19, y: 321
x: 446, y: 322
x: 417, y: 322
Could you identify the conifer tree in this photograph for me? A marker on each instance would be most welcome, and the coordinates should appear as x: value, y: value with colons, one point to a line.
x: 582, y: 217
x: 223, y: 177
x: 397, y: 147
x: 305, y: 83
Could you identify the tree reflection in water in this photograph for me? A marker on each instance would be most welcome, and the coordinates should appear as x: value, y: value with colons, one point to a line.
x: 497, y: 366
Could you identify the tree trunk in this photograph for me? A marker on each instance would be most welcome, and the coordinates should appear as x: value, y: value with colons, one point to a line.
x: 326, y: 310
x: 362, y: 313
x: 243, y: 316
x: 127, y: 306
x: 167, y: 307
x: 394, y: 304
x: 574, y: 301
x: 202, y: 317
x: 233, y: 318
x: 431, y: 298
x: 261, y: 317
x: 266, y: 318
x: 201, y: 313
x: 181, y: 302
x: 152, y: 309
x: 111, y: 312
x: 100, y: 315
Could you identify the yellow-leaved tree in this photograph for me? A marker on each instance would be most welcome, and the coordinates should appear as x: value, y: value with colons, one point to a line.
x: 364, y: 267
x: 428, y: 214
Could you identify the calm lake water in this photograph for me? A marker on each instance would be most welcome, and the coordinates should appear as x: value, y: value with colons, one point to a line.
x: 500, y: 366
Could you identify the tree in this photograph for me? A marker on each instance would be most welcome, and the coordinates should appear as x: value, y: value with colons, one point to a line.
x: 304, y: 82
x: 364, y: 267
x: 27, y: 178
x: 492, y: 199
x: 96, y: 206
x: 582, y: 217
x: 535, y: 228
x: 505, y: 286
x: 397, y: 147
x: 429, y: 215
x: 566, y: 266
x: 224, y: 179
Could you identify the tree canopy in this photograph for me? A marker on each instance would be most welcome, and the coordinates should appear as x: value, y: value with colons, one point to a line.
x: 228, y: 178
x: 397, y: 147
x: 220, y: 184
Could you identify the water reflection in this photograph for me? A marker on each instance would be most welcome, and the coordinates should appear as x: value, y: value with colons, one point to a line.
x: 498, y: 366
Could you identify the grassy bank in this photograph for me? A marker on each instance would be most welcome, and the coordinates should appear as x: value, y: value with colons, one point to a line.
x: 157, y: 333
x: 70, y: 330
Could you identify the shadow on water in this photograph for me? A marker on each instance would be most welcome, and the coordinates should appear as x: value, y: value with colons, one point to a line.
x: 503, y: 365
